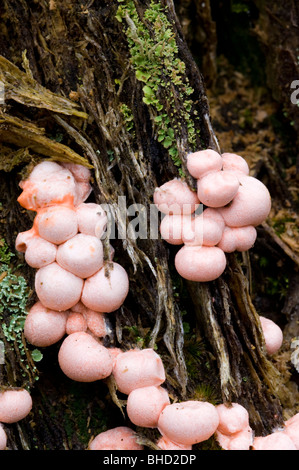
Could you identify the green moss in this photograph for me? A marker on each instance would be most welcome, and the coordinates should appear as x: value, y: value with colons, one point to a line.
x: 128, y: 118
x: 154, y: 56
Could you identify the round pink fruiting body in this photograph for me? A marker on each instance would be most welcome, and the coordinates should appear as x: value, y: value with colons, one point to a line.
x: 75, y: 322
x: 237, y: 238
x: 173, y: 226
x: 188, y: 422
x: 217, y: 189
x: 275, y: 441
x: 92, y: 219
x: 228, y: 240
x: 83, y: 358
x: 203, y: 162
x: 200, y: 263
x: 232, y: 418
x: 49, y: 184
x: 214, y: 214
x: 241, y: 440
x: 175, y: 197
x: 292, y: 420
x: 79, y: 308
x: 40, y: 253
x: 166, y: 444
x: 272, y: 334
x: 44, y: 327
x: 82, y: 255
x: 203, y: 231
x: 14, y: 405
x: 145, y: 404
x: 107, y: 289
x: 57, y: 288
x: 120, y: 438
x: 292, y: 431
x: 96, y: 323
x: 138, y: 368
x: 80, y: 172
x: 245, y: 237
x: 23, y: 239
x: 3, y: 438
x: 250, y: 206
x: 234, y: 162
x: 56, y: 224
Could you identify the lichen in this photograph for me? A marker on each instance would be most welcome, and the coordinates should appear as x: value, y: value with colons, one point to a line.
x: 154, y: 56
x: 14, y: 293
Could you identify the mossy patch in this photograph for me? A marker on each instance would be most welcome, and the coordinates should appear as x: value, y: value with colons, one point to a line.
x: 155, y: 58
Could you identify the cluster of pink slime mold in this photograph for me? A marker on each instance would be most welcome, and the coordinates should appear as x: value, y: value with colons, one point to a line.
x: 235, y: 204
x: 76, y: 287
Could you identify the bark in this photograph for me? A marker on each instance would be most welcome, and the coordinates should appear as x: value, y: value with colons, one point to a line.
x: 277, y: 30
x: 82, y: 52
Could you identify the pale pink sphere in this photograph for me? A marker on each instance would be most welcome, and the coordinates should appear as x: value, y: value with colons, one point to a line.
x: 203, y: 162
x: 145, y: 404
x: 92, y: 219
x: 3, y: 438
x: 294, y: 419
x: 75, y: 322
x: 272, y: 334
x: 173, y: 226
x: 96, y: 323
x: 14, y: 405
x: 234, y: 162
x: 107, y: 289
x: 44, y: 327
x: 43, y: 170
x: 217, y: 189
x: 292, y: 431
x: 175, y: 197
x: 250, y: 206
x: 82, y: 358
x: 56, y: 224
x: 275, y: 441
x: 138, y: 368
x: 48, y: 184
x: 232, y: 418
x: 188, y: 422
x: 245, y: 237
x: 203, y: 231
x: 166, y: 444
x: 79, y: 307
x: 214, y: 214
x: 82, y: 176
x: 23, y: 239
x: 200, y: 263
x: 241, y: 440
x: 237, y: 238
x: 57, y: 288
x: 40, y: 252
x: 80, y: 172
x: 120, y: 438
x: 82, y: 255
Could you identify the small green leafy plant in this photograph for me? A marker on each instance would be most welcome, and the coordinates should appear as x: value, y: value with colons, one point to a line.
x: 154, y: 56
